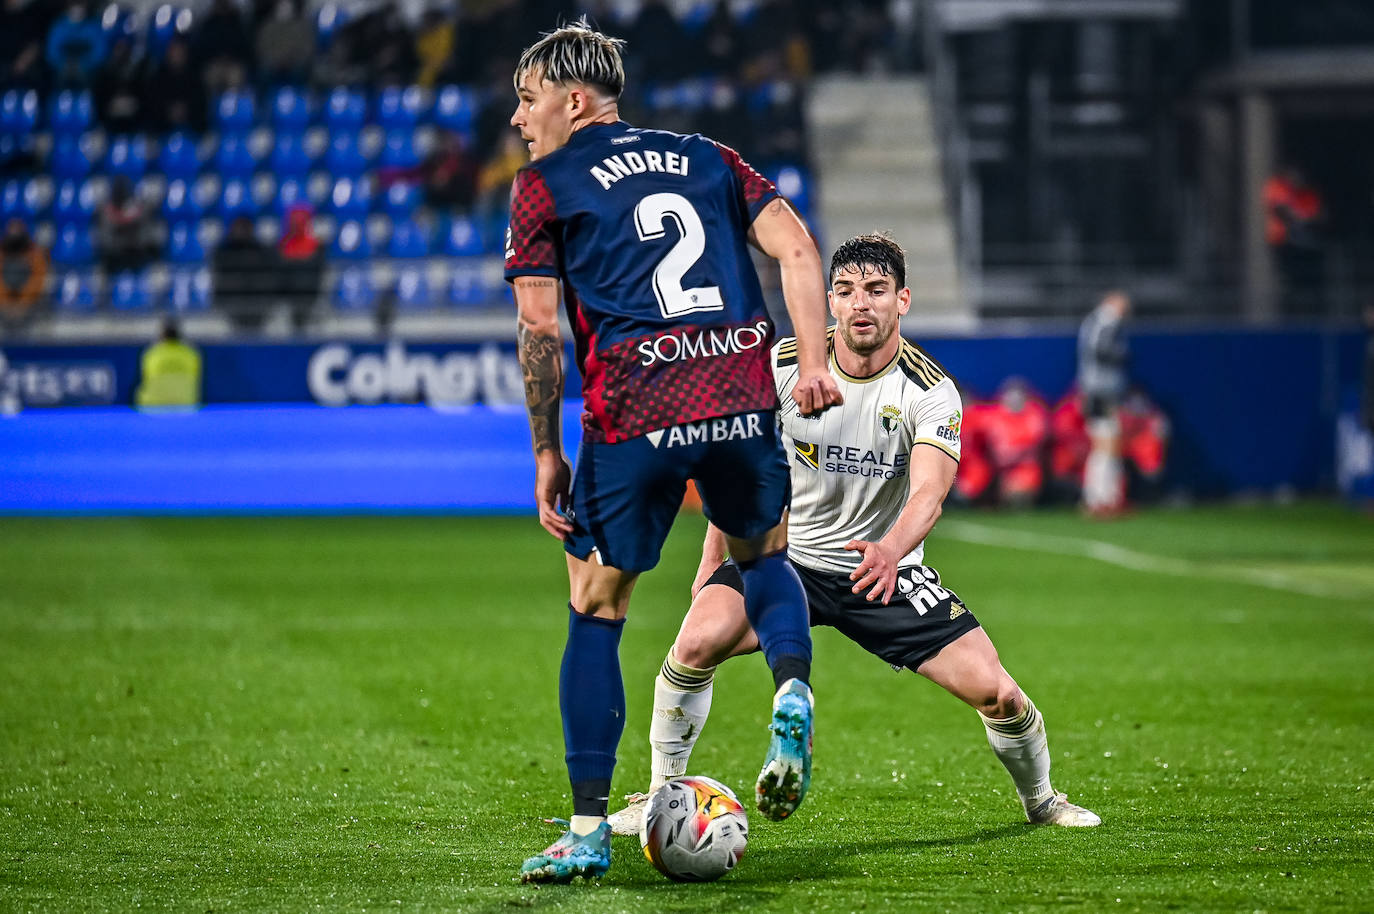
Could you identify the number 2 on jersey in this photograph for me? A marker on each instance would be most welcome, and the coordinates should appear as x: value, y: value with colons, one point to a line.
x: 650, y: 216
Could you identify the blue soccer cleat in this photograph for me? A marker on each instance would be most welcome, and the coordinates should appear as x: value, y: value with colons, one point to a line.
x: 786, y: 771
x: 588, y: 856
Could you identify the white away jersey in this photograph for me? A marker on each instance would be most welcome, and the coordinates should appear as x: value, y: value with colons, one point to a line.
x: 850, y: 464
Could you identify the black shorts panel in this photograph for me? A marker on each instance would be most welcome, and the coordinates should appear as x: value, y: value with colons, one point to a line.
x: 916, y: 624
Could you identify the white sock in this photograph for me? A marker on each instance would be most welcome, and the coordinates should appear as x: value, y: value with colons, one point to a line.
x: 1102, y: 480
x: 1020, y: 745
x: 584, y: 825
x: 682, y: 701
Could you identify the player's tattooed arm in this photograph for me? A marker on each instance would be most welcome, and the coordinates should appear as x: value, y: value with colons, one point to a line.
x: 541, y: 359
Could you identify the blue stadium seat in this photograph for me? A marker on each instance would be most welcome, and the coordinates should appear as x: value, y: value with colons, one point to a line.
x: 116, y: 23
x: 408, y: 239
x: 189, y: 289
x: 234, y: 158
x: 351, y: 242
x: 465, y: 285
x: 331, y: 17
x: 401, y: 200
x: 291, y: 193
x: 236, y: 199
x: 182, y: 244
x: 398, y: 151
x: 14, y: 146
x: 128, y: 157
x: 130, y: 291
x: 18, y: 111
x: 166, y: 23
x: 290, y: 159
x: 69, y: 158
x: 73, y: 245
x: 355, y: 291
x: 69, y: 111
x: 180, y: 204
x: 346, y: 110
x: 75, y: 291
x: 793, y: 184
x: 344, y: 159
x: 290, y: 110
x: 179, y: 158
x: 398, y: 108
x: 455, y: 109
x: 350, y: 198
x: 459, y: 237
x: 20, y: 198
x: 412, y: 289
x: 235, y: 111
x: 74, y: 202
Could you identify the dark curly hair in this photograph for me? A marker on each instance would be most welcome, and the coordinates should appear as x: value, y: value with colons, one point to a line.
x: 878, y: 251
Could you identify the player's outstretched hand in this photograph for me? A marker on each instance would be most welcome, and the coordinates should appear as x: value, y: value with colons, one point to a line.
x: 814, y: 394
x: 878, y: 570
x: 552, y: 487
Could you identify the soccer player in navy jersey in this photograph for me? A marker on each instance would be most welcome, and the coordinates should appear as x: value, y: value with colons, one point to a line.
x: 644, y: 233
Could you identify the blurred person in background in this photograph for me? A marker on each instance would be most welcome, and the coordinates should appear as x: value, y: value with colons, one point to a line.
x: 1017, y: 429
x: 1367, y: 394
x: 1144, y: 442
x: 23, y: 28
x: 1293, y: 215
x: 1102, y: 357
x: 23, y: 269
x: 176, y: 98
x: 434, y: 41
x: 223, y: 47
x: 245, y: 276
x: 285, y: 45
x: 448, y: 175
x: 973, y: 484
x: 124, y: 230
x: 76, y: 47
x: 302, y: 265
x: 494, y: 183
x: 384, y: 45
x: 171, y: 372
x: 119, y: 89
x: 1068, y: 448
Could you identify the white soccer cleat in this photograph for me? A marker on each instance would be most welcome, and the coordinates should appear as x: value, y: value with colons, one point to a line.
x: 1057, y: 810
x: 630, y: 820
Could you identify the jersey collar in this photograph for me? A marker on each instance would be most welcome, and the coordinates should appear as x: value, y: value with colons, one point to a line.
x: 835, y: 364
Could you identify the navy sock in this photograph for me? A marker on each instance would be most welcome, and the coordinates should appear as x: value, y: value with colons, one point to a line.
x: 775, y: 603
x: 591, y: 697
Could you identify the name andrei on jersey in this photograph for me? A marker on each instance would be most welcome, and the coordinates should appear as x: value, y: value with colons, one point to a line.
x: 724, y: 428
x: 702, y: 344
x: 636, y: 163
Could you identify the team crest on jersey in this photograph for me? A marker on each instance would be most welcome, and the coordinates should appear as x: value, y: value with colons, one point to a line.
x: 950, y: 430
x: 807, y: 454
x: 890, y: 419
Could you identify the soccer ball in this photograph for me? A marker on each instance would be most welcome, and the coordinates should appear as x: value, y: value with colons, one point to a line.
x: 694, y: 829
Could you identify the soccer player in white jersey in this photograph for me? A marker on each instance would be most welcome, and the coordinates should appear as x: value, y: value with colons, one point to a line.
x: 868, y: 481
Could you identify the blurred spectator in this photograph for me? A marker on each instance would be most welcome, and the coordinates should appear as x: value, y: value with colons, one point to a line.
x: 1367, y: 395
x: 658, y: 44
x: 449, y: 174
x: 76, y: 46
x: 382, y: 43
x: 176, y: 94
x: 285, y: 45
x: 1294, y: 212
x: 1102, y: 379
x: 23, y: 268
x: 171, y: 371
x: 119, y: 89
x: 433, y: 46
x: 1069, y: 446
x: 720, y: 42
x: 223, y: 48
x: 1144, y: 441
x: 495, y: 179
x: 974, y: 482
x: 302, y: 265
x: 244, y: 273
x: 123, y: 230
x: 23, y: 25
x: 1016, y: 431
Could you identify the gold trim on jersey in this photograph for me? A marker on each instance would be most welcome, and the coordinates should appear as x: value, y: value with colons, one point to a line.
x: 940, y: 444
x: 919, y: 367
x: 787, y: 352
x: 835, y: 364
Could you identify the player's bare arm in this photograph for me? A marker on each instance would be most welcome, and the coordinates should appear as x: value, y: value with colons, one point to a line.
x: 780, y: 234
x: 540, y: 343
x: 931, y: 475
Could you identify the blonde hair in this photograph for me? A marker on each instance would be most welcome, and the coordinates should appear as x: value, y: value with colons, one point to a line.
x: 576, y: 53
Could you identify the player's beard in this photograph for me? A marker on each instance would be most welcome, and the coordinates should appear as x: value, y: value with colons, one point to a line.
x: 871, y: 343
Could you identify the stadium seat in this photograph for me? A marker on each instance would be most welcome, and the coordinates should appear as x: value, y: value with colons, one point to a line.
x: 181, y: 204
x: 290, y: 194
x: 130, y: 291
x: 355, y: 291
x: 455, y: 109
x: 460, y: 238
x: 117, y: 23
x: 412, y: 289
x: 346, y: 111
x: 179, y: 158
x: 166, y: 23
x: 18, y: 111
x: 408, y: 239
x: 189, y: 289
x: 182, y: 244
x: 234, y: 158
x: 74, y: 291
x: 73, y: 245
x: 401, y: 200
x: 235, y: 111
x: 331, y: 17
x: 289, y: 156
x: 70, y: 158
x: 465, y: 285
x: 398, y: 107
x: 74, y: 202
x: 351, y: 242
x: 792, y: 183
x: 398, y: 151
x: 350, y: 198
x: 21, y: 198
x: 70, y: 112
x: 127, y: 156
x: 16, y: 151
x: 290, y: 110
x: 236, y: 199
x: 344, y: 159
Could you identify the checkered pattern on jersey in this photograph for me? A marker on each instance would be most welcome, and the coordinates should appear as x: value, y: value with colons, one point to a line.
x: 531, y: 247
x: 758, y: 190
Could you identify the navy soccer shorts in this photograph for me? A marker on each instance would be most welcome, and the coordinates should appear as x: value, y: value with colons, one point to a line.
x: 626, y: 495
x: 920, y: 620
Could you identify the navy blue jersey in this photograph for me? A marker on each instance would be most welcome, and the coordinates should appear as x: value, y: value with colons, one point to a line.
x: 648, y: 232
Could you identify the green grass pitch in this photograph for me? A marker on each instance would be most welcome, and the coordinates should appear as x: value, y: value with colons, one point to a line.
x: 339, y: 714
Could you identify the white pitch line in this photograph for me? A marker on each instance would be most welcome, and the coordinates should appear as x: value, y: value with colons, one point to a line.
x: 1112, y: 554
